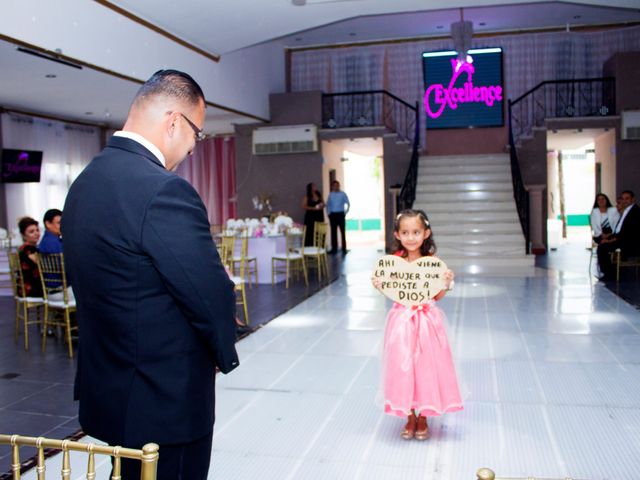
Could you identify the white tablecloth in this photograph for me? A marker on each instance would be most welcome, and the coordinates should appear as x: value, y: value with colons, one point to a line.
x: 263, y: 248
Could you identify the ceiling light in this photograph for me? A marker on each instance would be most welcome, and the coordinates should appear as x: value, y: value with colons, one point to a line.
x: 576, y: 17
x: 299, y: 3
x: 440, y: 27
x: 482, y: 24
x: 50, y: 75
x: 47, y: 56
x: 88, y: 113
x: 352, y: 34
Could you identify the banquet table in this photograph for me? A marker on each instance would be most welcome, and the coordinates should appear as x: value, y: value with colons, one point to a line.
x: 263, y: 248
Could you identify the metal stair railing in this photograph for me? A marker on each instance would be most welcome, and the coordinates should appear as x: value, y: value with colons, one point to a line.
x: 408, y: 191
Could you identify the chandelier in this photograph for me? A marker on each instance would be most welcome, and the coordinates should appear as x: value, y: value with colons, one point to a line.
x: 461, y: 33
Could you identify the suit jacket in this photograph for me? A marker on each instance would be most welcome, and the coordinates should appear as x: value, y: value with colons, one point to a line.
x: 628, y: 239
x: 155, y: 306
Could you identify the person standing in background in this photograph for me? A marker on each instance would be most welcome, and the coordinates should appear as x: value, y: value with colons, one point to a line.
x: 337, y: 208
x: 155, y: 306
x: 313, y: 212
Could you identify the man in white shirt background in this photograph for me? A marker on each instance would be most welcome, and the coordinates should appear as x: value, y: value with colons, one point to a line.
x: 337, y: 208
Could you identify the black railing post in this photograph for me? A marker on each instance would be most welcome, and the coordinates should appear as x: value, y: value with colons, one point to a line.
x: 520, y: 193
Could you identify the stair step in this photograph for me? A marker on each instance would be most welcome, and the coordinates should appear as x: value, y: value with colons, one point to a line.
x: 477, y: 239
x: 476, y: 228
x: 465, y: 187
x: 426, y: 177
x: 454, y: 197
x: 497, y: 206
x: 457, y: 218
x: 446, y: 160
x: 481, y: 250
x: 521, y: 260
x: 463, y: 169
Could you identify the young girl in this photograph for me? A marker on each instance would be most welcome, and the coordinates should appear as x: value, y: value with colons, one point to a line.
x: 419, y: 377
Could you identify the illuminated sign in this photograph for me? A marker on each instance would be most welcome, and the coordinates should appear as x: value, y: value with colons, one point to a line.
x: 462, y: 94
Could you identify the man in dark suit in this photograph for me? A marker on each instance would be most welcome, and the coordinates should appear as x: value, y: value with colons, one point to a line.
x: 155, y: 305
x: 625, y: 236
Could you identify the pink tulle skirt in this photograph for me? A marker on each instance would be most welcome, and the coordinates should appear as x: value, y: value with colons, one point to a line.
x: 418, y: 369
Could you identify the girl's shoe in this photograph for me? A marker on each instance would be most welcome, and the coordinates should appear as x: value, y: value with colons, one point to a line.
x: 410, y: 428
x: 422, y: 429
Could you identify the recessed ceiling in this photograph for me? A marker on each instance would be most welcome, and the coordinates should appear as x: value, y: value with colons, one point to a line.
x: 230, y: 25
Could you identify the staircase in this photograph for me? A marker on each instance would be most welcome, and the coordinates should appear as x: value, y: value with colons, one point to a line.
x: 469, y: 201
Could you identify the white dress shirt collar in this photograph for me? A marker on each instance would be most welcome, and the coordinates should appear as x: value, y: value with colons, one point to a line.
x: 144, y: 142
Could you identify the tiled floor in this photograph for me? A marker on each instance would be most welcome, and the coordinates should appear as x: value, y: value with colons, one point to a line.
x: 36, y: 389
x: 550, y: 363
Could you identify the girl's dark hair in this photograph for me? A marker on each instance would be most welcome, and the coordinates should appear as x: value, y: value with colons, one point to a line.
x: 26, y: 222
x: 595, y: 203
x: 428, y: 247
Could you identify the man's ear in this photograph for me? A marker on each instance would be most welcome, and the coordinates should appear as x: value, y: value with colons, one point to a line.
x: 172, y: 123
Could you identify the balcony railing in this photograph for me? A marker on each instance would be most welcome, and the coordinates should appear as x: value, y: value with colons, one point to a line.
x: 373, y: 108
x: 587, y: 97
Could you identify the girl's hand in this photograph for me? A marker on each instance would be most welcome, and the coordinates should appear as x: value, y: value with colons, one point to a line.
x: 376, y: 282
x: 448, y: 279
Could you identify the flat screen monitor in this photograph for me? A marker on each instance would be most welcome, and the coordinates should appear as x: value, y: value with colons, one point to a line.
x: 20, y: 166
x: 463, y: 94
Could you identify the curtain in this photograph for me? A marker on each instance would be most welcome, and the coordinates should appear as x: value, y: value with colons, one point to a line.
x: 211, y: 170
x: 397, y: 67
x: 66, y: 148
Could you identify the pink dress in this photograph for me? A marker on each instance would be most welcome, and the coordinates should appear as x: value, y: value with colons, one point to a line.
x: 418, y: 370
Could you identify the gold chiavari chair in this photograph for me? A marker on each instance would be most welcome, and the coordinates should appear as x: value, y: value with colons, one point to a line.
x: 250, y: 262
x: 58, y: 296
x: 148, y: 456
x: 229, y: 244
x: 292, y: 258
x: 241, y: 295
x: 316, y: 256
x: 24, y: 304
x: 222, y: 252
x: 216, y: 232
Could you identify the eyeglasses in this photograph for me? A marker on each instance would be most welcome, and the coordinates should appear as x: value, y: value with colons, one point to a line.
x: 200, y: 135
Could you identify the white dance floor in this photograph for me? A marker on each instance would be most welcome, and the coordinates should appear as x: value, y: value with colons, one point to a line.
x: 550, y: 362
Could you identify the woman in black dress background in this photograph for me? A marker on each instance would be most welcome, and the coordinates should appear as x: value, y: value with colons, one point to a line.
x: 313, y: 211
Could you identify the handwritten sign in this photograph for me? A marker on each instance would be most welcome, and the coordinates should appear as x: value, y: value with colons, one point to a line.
x: 410, y: 283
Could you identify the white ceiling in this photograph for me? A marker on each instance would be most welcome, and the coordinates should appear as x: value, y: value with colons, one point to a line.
x: 226, y: 26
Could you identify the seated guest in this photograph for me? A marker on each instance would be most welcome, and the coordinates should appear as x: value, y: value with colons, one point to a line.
x: 619, y: 206
x: 626, y: 236
x: 51, y: 241
x: 604, y: 218
x: 28, y: 253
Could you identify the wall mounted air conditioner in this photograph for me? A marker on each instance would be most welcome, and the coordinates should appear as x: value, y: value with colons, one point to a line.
x: 631, y: 125
x: 288, y: 139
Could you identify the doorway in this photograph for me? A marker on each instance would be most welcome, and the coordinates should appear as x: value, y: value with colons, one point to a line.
x: 580, y: 163
x: 358, y: 165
